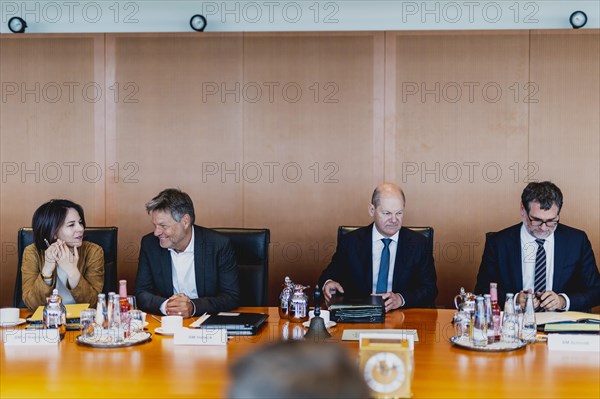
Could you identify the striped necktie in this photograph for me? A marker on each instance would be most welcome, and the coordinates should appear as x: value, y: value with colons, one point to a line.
x: 540, y: 267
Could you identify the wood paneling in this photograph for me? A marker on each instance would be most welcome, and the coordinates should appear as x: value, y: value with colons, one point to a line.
x: 169, y: 131
x: 292, y: 131
x: 320, y: 144
x: 564, y: 138
x: 48, y: 137
x: 459, y: 137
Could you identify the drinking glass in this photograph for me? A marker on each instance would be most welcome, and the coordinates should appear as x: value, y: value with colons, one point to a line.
x: 510, y: 328
x: 132, y: 303
x: 87, y: 320
x: 519, y: 311
x: 136, y: 322
x: 462, y: 321
x: 529, y: 327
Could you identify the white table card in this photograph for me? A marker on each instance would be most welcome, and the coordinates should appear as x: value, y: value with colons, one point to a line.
x: 574, y: 342
x: 194, y: 336
x: 38, y: 337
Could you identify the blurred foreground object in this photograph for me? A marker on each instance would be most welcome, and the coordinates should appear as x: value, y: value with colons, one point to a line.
x: 297, y: 369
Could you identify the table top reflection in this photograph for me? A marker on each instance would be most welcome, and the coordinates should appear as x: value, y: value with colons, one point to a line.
x: 159, y: 369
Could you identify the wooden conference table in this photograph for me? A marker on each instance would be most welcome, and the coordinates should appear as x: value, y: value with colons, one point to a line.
x: 161, y: 369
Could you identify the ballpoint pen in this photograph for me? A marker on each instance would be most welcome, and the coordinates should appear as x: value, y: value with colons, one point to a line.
x: 200, y: 320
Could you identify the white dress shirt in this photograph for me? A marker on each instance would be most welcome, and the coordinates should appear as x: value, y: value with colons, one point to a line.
x: 184, y: 273
x: 528, y: 253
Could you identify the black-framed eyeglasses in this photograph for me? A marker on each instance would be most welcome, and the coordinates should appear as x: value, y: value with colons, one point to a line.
x: 538, y: 222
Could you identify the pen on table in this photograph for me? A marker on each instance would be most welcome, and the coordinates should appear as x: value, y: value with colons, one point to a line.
x: 201, y: 318
x: 156, y: 318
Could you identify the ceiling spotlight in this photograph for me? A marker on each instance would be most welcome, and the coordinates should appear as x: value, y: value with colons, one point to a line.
x: 198, y: 23
x: 578, y: 19
x: 17, y: 25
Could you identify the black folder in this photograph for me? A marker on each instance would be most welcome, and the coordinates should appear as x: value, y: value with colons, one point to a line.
x: 236, y: 323
x: 357, y: 310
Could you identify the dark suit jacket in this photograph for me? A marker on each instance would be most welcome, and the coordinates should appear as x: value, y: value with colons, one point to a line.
x: 216, y: 273
x: 414, y: 270
x: 575, y: 269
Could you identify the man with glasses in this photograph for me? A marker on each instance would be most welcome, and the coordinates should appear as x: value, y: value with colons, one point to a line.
x: 383, y: 258
x: 539, y: 255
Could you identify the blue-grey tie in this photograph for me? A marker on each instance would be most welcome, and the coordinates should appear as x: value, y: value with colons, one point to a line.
x: 540, y: 267
x: 384, y: 267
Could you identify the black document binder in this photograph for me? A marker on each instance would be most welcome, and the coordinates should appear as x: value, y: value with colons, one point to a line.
x: 365, y: 310
x: 236, y: 323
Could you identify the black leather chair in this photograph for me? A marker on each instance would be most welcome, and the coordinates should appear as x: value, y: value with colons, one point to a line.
x: 426, y: 231
x: 252, y: 253
x: 106, y: 237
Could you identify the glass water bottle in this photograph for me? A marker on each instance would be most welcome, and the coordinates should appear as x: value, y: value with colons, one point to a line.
x: 101, y: 318
x: 284, y: 297
x: 479, y: 325
x: 529, y: 329
x: 55, y: 314
x: 487, y: 308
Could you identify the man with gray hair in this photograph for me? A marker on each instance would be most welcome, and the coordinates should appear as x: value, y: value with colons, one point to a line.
x: 383, y: 258
x: 184, y: 269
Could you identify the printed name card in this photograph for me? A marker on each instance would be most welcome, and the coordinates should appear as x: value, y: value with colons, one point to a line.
x: 205, y: 336
x: 574, y: 342
x: 20, y: 337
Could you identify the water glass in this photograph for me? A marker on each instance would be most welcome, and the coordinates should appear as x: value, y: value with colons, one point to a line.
x: 132, y: 303
x: 136, y: 322
x: 462, y: 321
x: 510, y: 328
x: 519, y: 311
x: 87, y: 320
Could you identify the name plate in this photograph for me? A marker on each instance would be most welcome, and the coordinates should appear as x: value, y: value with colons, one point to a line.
x: 574, y: 342
x: 205, y: 336
x: 42, y: 337
x: 354, y: 335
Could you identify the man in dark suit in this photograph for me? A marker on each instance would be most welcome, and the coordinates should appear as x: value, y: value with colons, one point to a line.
x: 539, y: 255
x: 184, y: 269
x: 383, y: 258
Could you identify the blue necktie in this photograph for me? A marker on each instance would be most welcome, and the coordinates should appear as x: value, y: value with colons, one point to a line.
x: 384, y: 267
x: 540, y: 267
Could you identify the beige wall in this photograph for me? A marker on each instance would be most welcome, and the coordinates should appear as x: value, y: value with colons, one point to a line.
x: 293, y: 131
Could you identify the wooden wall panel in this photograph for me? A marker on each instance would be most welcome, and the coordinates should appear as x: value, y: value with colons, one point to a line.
x: 173, y: 132
x: 320, y: 144
x: 565, y: 125
x: 48, y: 135
x: 184, y: 110
x: 458, y: 133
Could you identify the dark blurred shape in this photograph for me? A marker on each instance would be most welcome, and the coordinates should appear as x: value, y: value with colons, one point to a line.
x: 297, y: 369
